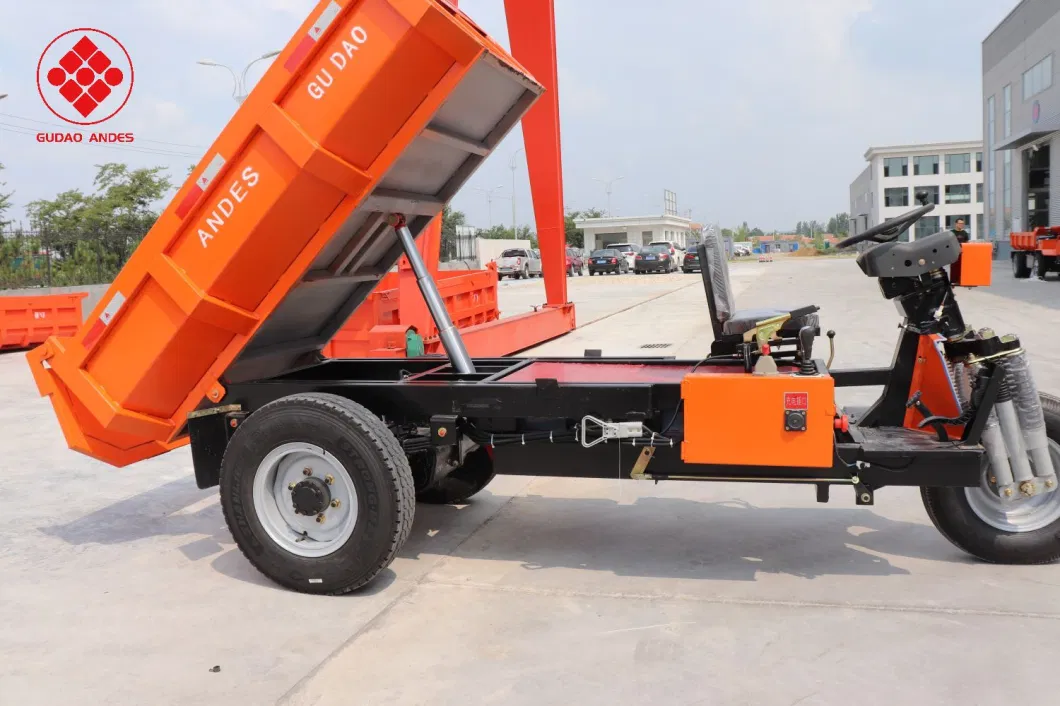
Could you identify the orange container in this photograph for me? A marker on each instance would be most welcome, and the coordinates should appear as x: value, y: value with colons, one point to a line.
x: 739, y: 419
x: 376, y: 329
x: 27, y: 321
x: 975, y: 265
x: 373, y: 107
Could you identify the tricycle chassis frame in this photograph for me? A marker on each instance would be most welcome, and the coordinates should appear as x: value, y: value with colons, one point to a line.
x: 874, y: 452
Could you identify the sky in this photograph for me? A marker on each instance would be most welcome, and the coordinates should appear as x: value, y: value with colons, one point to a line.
x: 757, y: 111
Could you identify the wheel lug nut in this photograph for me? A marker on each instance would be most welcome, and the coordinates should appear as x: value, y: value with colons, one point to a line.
x: 335, y: 503
x: 993, y: 480
x: 290, y: 486
x: 329, y: 479
x: 307, y: 471
x: 1008, y: 492
x: 320, y: 519
x: 1049, y: 483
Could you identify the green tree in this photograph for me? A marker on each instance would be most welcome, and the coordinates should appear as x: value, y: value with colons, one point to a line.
x: 450, y: 220
x: 5, y: 201
x: 839, y: 224
x: 575, y: 236
x: 92, y: 235
x: 727, y: 233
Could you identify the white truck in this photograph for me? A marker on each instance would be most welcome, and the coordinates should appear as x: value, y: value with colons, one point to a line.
x: 519, y: 263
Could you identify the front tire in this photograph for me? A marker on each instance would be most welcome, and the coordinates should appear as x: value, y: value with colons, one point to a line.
x: 1026, y: 531
x: 353, y: 514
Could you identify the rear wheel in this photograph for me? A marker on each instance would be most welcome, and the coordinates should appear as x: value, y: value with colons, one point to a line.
x: 1025, y: 531
x: 1020, y: 267
x: 317, y: 493
x: 570, y: 271
x: 463, y: 482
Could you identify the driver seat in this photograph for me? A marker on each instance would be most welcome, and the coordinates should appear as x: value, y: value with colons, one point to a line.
x: 728, y: 322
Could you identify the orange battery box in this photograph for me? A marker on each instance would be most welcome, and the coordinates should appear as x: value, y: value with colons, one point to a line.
x: 743, y: 419
x: 974, y: 266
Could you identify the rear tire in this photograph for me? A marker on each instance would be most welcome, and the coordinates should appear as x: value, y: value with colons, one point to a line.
x: 1020, y: 267
x: 462, y: 483
x: 334, y: 438
x: 1032, y: 534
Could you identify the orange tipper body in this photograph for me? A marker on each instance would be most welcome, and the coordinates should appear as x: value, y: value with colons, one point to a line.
x: 373, y: 107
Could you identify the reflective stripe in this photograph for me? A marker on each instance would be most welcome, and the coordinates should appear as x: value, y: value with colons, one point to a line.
x: 109, y: 312
x: 204, y: 180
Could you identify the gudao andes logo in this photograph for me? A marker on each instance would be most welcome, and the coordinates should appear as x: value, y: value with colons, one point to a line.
x: 85, y: 76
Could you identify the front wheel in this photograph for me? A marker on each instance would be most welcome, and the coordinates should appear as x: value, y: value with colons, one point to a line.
x: 1024, y: 531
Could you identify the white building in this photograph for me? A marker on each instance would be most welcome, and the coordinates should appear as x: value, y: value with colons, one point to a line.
x: 951, y: 173
x: 600, y: 232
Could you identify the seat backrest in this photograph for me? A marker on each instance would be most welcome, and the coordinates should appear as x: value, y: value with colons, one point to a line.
x: 714, y: 268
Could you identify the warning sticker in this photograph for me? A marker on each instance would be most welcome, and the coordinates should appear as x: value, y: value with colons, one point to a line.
x: 796, y: 400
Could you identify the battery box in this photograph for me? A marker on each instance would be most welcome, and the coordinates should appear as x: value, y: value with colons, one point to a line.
x: 742, y: 419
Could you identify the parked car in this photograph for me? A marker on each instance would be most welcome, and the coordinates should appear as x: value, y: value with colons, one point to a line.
x: 607, y: 260
x: 654, y: 258
x: 629, y: 251
x: 676, y: 253
x: 575, y: 262
x: 690, y: 262
x: 741, y: 250
x: 519, y: 263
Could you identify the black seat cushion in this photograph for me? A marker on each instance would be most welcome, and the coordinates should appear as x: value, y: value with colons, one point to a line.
x: 743, y: 321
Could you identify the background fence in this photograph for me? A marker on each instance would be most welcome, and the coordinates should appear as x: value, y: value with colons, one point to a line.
x: 63, y: 258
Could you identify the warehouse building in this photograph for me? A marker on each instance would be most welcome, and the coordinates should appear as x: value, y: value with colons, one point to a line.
x: 950, y: 172
x: 1021, y: 121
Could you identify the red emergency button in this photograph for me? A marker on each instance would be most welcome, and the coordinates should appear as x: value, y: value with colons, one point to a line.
x: 842, y: 423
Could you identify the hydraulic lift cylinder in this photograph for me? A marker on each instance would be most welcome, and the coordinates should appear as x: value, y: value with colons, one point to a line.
x: 447, y: 332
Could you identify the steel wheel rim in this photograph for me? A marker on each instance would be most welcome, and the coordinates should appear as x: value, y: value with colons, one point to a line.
x: 1023, y: 515
x: 298, y: 534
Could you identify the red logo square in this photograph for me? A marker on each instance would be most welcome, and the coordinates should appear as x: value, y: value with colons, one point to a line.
x: 70, y: 90
x: 85, y: 105
x: 99, y: 90
x: 796, y: 400
x: 71, y: 62
x: 99, y: 62
x: 85, y: 47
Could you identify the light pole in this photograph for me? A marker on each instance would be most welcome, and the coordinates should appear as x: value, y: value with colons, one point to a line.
x: 607, y: 190
x: 511, y: 165
x: 489, y: 199
x: 239, y: 88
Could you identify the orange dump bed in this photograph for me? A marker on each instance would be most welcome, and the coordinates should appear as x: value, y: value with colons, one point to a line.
x: 27, y: 321
x: 373, y: 107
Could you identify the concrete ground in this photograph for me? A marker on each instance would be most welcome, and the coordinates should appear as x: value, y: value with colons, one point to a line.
x: 125, y: 587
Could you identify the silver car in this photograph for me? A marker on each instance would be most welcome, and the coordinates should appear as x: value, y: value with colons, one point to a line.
x: 519, y: 263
